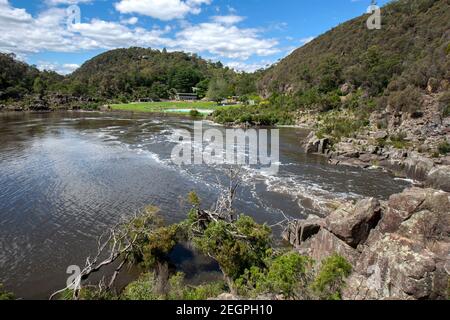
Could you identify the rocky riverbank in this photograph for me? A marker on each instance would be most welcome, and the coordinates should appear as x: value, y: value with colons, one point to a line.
x: 399, y: 249
x: 49, y: 102
x: 410, y: 146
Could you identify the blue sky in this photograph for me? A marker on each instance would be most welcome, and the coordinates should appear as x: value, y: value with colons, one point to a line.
x: 244, y: 34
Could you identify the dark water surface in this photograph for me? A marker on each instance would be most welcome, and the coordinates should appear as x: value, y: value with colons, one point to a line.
x: 65, y: 177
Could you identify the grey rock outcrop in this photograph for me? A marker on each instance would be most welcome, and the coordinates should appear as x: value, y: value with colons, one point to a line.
x: 316, y: 145
x: 439, y: 178
x: 399, y: 249
x: 352, y: 224
x: 299, y: 231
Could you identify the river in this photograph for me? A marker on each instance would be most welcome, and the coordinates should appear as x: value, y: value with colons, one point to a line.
x: 65, y: 177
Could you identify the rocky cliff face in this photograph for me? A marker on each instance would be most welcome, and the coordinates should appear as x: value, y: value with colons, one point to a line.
x: 400, y: 249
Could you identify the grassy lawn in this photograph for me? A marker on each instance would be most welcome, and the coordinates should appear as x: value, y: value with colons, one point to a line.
x: 167, y: 106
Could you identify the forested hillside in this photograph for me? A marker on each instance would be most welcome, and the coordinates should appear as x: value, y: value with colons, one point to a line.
x: 360, y: 70
x: 137, y: 72
x: 18, y: 79
x: 411, y: 48
x: 130, y: 74
x: 124, y: 75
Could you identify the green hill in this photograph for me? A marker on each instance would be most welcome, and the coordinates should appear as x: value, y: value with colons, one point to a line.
x: 134, y: 73
x: 412, y: 47
x: 353, y: 67
x: 18, y: 79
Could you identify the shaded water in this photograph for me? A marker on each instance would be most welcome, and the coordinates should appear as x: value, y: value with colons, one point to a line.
x: 65, y: 177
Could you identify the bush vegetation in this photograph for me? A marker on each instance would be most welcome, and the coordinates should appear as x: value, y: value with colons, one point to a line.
x: 5, y: 295
x: 398, y: 141
x: 445, y: 103
x: 330, y: 279
x: 444, y: 148
x: 408, y: 100
x: 176, y: 289
x: 251, y: 265
x: 338, y: 124
x: 195, y: 113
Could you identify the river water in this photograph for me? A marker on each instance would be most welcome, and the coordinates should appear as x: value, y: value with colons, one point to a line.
x: 65, y: 177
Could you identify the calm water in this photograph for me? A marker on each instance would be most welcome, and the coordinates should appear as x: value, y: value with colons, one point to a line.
x: 65, y: 177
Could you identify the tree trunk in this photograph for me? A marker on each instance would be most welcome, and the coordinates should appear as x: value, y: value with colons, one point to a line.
x: 161, y: 277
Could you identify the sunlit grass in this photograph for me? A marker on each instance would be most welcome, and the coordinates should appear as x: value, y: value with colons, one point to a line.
x: 166, y: 106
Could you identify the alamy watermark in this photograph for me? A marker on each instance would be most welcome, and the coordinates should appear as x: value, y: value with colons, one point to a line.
x: 73, y: 14
x: 251, y: 147
x: 374, y: 20
x: 74, y: 280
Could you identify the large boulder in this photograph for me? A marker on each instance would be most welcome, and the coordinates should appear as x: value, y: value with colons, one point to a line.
x: 316, y: 145
x: 408, y: 164
x: 417, y: 166
x: 401, y: 207
x: 399, y: 249
x: 439, y: 178
x: 393, y: 268
x: 299, y: 231
x: 405, y: 257
x: 325, y: 244
x: 353, y: 223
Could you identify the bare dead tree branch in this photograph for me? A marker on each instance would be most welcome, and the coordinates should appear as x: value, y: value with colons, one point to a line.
x: 118, y: 242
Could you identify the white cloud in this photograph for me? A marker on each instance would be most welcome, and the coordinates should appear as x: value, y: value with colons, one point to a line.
x: 130, y: 21
x: 161, y: 9
x: 64, y: 69
x: 230, y: 19
x: 225, y: 40
x: 306, y: 40
x: 48, y: 32
x: 23, y: 34
x: 247, y: 67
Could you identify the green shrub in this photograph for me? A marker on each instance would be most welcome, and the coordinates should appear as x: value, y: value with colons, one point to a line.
x: 6, y: 295
x: 444, y: 100
x: 154, y: 241
x: 285, y: 275
x: 338, y: 124
x: 408, y: 100
x: 89, y: 293
x: 194, y: 199
x: 144, y: 289
x: 446, y: 112
x: 382, y: 124
x: 398, y: 141
x: 195, y: 113
x: 381, y: 143
x: 262, y: 115
x: 444, y: 148
x: 141, y: 289
x: 235, y: 254
x: 330, y: 280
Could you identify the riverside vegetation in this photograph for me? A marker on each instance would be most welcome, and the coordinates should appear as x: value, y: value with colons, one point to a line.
x: 251, y: 265
x: 4, y: 295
